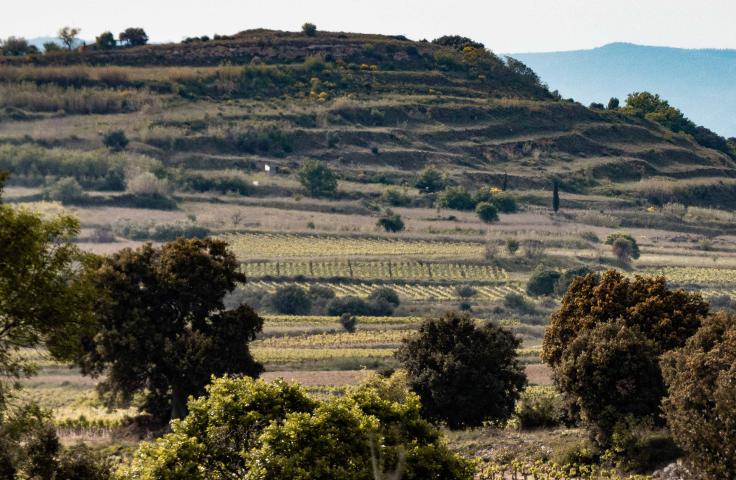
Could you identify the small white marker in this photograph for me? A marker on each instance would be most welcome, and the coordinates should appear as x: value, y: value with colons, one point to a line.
x: 255, y: 182
x: 267, y: 168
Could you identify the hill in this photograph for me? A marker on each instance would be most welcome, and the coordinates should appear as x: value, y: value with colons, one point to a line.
x: 377, y: 108
x: 698, y: 82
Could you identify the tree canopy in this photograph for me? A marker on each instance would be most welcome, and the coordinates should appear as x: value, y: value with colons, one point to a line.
x: 163, y: 329
x: 463, y: 374
x: 45, y: 295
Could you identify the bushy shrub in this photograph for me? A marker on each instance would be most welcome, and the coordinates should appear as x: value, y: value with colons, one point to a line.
x: 430, y: 180
x: 465, y: 291
x: 700, y: 406
x: 162, y: 232
x: 611, y: 354
x: 463, y: 374
x: 395, y: 198
x: 455, y: 198
x: 542, y: 281
x: 391, y: 222
x: 487, y: 212
x: 350, y: 305
x: 348, y: 322
x: 30, y: 448
x: 309, y: 29
x: 667, y: 317
x: 115, y: 140
x: 517, y: 302
x: 67, y: 191
x: 291, y: 300
x: 147, y: 184
x: 317, y: 179
x: 504, y: 202
x: 624, y: 246
x: 539, y: 407
x: 512, y: 246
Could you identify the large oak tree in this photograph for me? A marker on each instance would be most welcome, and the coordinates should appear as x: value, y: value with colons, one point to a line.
x: 163, y: 327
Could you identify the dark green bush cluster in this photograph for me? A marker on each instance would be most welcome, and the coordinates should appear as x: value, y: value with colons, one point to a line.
x: 458, y: 198
x: 464, y: 374
x: 390, y: 221
x: 539, y: 407
x: 544, y: 281
x: 317, y: 179
x: 381, y: 302
x: 161, y: 232
x: 624, y: 246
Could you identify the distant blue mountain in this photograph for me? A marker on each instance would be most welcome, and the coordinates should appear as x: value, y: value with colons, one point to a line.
x: 701, y: 83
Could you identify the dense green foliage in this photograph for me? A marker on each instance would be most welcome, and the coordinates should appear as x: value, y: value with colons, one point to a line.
x: 291, y: 300
x: 319, y: 180
x: 250, y: 429
x: 390, y: 221
x: 656, y: 109
x: 162, y: 328
x: 430, y: 180
x: 667, y: 317
x: 611, y: 372
x: 542, y: 281
x: 700, y: 406
x: 487, y: 212
x: 455, y: 198
x: 45, y: 295
x: 464, y: 374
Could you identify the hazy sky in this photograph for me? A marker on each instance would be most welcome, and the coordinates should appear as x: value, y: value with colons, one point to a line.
x: 504, y: 26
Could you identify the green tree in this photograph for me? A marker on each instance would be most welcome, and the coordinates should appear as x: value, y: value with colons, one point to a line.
x: 542, y: 281
x: 309, y: 29
x: 106, y: 41
x: 463, y: 374
x: 45, y: 295
x: 243, y: 428
x: 613, y: 104
x: 430, y: 180
x: 667, y: 317
x: 291, y: 300
x: 163, y: 329
x: 14, y: 46
x: 610, y: 373
x: 455, y: 198
x: 50, y: 47
x: 390, y: 221
x: 318, y: 179
x: 67, y: 191
x: 133, y: 37
x: 700, y: 406
x: 68, y: 36
x: 487, y: 212
x: 555, y: 196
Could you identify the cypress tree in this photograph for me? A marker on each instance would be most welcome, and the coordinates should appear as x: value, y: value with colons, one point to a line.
x: 555, y: 196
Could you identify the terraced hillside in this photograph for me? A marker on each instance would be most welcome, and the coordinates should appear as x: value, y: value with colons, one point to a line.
x: 376, y: 108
